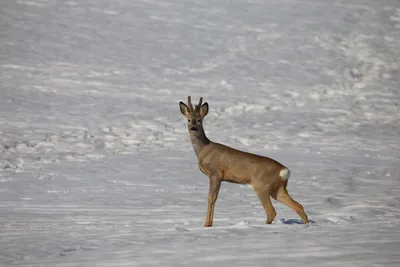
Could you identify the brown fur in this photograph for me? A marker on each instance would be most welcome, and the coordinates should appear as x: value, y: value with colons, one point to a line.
x: 223, y: 163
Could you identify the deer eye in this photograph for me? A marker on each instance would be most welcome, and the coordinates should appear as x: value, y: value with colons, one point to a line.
x: 198, y: 121
x: 188, y: 120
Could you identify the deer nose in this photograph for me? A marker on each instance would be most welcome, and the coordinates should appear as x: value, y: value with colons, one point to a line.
x: 193, y: 129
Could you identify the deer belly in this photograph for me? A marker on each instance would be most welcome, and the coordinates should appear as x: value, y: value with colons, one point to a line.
x: 236, y: 177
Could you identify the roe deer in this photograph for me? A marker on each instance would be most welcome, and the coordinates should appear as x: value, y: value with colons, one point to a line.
x: 222, y: 163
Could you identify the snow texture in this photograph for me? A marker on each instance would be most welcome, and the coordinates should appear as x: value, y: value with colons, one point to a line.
x: 96, y: 166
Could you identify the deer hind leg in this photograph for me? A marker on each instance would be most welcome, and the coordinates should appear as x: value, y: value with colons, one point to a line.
x: 282, y: 195
x: 265, y: 199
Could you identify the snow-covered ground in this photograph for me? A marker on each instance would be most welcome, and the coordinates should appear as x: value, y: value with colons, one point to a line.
x: 96, y: 166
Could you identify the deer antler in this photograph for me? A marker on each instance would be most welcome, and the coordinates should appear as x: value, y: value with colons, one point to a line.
x: 199, y: 105
x: 190, y: 104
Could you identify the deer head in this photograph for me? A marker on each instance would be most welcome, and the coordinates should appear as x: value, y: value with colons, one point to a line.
x: 194, y: 116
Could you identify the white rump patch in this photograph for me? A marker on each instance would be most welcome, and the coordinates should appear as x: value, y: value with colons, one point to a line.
x: 284, y: 174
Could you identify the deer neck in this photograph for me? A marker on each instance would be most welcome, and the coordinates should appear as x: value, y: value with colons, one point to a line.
x: 199, y: 142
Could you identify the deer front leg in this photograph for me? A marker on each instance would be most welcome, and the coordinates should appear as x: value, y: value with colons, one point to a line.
x: 215, y: 184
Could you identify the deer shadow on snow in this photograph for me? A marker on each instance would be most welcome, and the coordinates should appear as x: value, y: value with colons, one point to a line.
x: 293, y: 221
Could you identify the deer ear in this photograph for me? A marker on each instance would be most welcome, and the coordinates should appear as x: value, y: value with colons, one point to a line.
x: 204, y: 110
x: 184, y: 109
